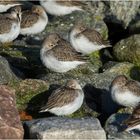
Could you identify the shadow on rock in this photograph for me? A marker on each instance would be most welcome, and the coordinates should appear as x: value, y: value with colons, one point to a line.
x: 39, y: 101
x: 115, y: 35
x: 134, y: 25
x: 135, y: 72
x: 100, y: 100
x: 17, y: 71
x: 93, y: 97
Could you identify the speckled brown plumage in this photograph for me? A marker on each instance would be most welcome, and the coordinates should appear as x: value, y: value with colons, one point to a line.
x: 94, y: 36
x: 61, y: 97
x: 64, y: 52
x: 28, y: 19
x: 134, y: 87
x: 134, y: 119
x: 5, y: 23
x: 126, y: 84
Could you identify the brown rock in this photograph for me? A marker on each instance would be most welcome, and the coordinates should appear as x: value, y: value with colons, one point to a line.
x: 10, y: 125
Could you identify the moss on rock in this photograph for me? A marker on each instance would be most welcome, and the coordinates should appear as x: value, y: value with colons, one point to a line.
x: 83, y: 113
x: 128, y: 50
x: 27, y: 89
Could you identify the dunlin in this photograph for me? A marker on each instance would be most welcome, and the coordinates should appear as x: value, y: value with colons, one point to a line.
x: 86, y: 40
x: 133, y: 122
x: 33, y: 21
x: 58, y: 55
x: 65, y: 100
x: 10, y: 24
x: 61, y: 7
x: 125, y: 92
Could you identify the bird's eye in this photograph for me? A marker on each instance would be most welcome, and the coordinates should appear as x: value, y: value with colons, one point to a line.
x: 52, y: 45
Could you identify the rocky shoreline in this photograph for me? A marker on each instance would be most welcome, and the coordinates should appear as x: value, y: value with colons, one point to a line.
x: 31, y: 83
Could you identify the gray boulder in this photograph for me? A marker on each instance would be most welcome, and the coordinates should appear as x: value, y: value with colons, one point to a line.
x: 64, y: 128
x: 6, y: 73
x: 115, y: 129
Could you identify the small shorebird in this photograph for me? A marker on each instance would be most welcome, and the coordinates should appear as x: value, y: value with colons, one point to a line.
x: 61, y: 7
x: 58, y: 55
x: 86, y: 40
x: 10, y: 24
x: 7, y: 4
x: 65, y: 100
x: 125, y: 92
x: 33, y: 21
x: 133, y: 122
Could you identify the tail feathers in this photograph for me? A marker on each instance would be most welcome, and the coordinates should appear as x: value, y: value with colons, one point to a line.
x: 131, y: 124
x: 107, y: 43
x: 43, y: 109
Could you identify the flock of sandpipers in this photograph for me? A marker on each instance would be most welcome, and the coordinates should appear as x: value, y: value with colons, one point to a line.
x: 59, y: 55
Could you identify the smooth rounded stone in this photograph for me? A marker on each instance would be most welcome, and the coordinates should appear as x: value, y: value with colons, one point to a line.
x: 26, y: 89
x: 114, y: 128
x: 10, y: 125
x: 64, y: 128
x: 7, y: 75
x: 121, y: 12
x: 128, y: 49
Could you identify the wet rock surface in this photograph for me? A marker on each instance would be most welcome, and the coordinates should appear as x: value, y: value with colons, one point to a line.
x: 64, y: 128
x: 6, y: 73
x: 115, y: 129
x: 10, y: 125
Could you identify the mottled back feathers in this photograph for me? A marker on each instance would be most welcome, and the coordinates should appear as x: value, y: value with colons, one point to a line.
x: 64, y: 52
x: 61, y: 97
x: 28, y: 19
x: 5, y: 23
x: 94, y: 36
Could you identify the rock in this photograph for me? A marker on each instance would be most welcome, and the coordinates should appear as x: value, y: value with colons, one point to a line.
x: 128, y: 50
x: 10, y: 125
x: 27, y: 89
x: 114, y: 128
x: 134, y: 27
x: 121, y: 12
x: 64, y: 128
x: 26, y: 59
x: 6, y: 73
x: 108, y: 65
